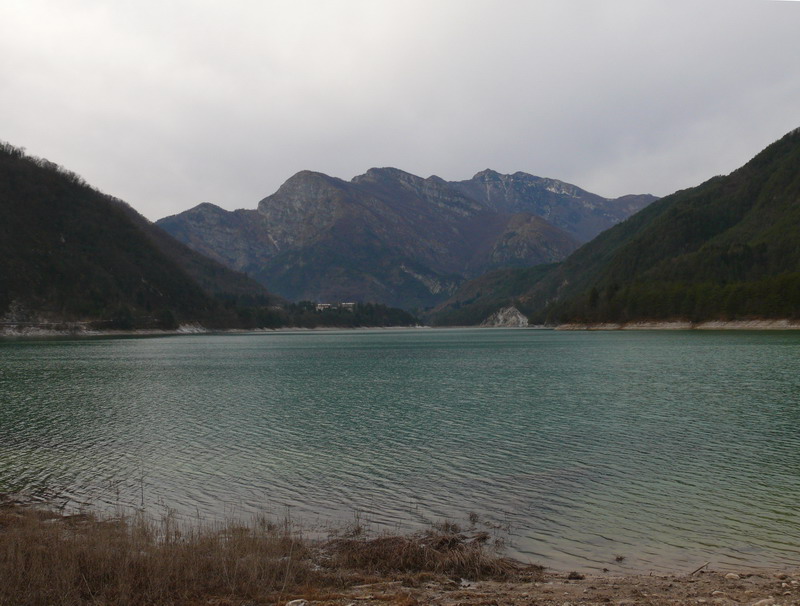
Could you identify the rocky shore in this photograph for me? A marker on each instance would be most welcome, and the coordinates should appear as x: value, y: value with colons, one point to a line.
x: 765, y: 588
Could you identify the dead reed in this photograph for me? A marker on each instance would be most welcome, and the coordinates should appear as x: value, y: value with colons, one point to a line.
x: 446, y: 553
x: 46, y: 558
x: 49, y: 559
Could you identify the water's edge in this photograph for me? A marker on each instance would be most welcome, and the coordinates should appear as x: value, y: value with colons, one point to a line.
x: 664, y: 448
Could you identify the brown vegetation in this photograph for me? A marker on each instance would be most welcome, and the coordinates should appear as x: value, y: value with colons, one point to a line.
x: 46, y: 558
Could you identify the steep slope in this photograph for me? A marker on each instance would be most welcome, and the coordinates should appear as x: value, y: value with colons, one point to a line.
x: 236, y: 239
x: 578, y: 212
x: 390, y: 236
x: 68, y: 252
x: 728, y: 249
x: 214, y: 277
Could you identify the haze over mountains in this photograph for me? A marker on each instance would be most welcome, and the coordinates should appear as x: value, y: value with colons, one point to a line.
x: 391, y: 236
x: 728, y: 249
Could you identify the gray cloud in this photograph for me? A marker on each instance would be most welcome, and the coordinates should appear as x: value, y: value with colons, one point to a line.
x: 167, y: 105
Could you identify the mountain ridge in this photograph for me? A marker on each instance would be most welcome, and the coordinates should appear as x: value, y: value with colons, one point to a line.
x: 388, y: 235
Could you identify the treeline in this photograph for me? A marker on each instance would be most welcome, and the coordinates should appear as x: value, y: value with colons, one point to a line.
x: 775, y: 297
x: 305, y: 315
x: 13, y: 151
x: 241, y: 315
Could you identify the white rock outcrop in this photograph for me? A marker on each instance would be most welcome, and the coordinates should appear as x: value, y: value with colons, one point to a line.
x: 508, y: 317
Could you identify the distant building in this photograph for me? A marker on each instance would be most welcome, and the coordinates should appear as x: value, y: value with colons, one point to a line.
x: 326, y: 306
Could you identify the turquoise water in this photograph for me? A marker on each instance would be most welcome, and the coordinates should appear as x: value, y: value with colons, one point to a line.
x: 668, y: 448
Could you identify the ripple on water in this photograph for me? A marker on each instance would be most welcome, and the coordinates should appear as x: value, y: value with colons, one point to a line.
x: 666, y: 449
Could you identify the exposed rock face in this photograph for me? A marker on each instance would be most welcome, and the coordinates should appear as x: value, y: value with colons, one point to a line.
x: 237, y: 239
x: 391, y: 236
x: 578, y: 212
x: 508, y: 317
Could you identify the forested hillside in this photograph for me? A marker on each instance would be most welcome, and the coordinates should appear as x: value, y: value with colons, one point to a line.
x: 728, y: 249
x: 69, y: 253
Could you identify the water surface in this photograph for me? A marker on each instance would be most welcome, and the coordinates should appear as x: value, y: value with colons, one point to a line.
x: 667, y: 448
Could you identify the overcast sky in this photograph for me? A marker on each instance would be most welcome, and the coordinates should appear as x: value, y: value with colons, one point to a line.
x: 167, y: 104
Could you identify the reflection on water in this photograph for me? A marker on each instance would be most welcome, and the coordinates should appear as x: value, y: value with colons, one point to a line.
x: 669, y: 449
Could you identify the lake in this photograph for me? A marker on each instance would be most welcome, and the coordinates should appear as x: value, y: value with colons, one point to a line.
x: 668, y: 449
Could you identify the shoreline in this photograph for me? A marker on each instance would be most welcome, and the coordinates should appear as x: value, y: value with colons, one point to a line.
x: 781, y: 324
x: 315, y: 531
x: 81, y: 331
x: 445, y: 566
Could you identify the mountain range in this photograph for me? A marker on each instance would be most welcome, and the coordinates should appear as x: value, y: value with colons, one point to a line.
x: 728, y: 249
x: 391, y: 236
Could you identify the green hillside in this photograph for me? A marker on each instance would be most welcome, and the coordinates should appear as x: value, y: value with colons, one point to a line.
x: 728, y: 249
x: 69, y: 252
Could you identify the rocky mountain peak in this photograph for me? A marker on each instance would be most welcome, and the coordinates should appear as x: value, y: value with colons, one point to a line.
x: 305, y: 205
x: 305, y: 184
x: 388, y: 235
x: 205, y: 209
x: 487, y: 175
x: 385, y: 173
x: 398, y: 188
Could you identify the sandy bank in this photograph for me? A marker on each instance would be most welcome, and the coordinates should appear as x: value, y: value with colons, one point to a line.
x: 710, y: 325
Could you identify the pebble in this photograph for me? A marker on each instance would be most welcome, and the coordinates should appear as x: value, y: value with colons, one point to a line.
x: 732, y: 576
x: 718, y: 593
x: 765, y: 602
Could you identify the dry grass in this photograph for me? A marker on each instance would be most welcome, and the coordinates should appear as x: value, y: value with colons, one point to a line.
x: 47, y: 559
x: 442, y: 550
x: 75, y: 560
